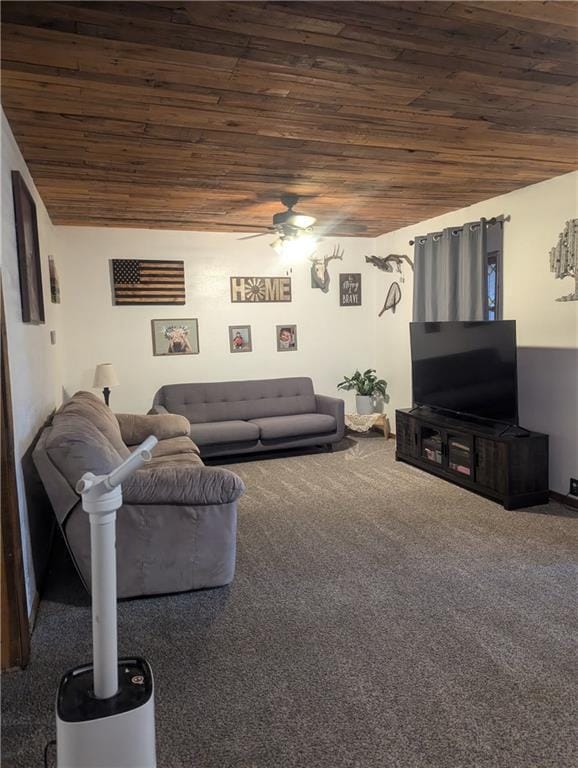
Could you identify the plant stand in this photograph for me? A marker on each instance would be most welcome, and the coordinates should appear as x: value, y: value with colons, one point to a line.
x: 358, y: 423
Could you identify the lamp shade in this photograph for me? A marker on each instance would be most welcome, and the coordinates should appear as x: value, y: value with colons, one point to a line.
x: 105, y: 376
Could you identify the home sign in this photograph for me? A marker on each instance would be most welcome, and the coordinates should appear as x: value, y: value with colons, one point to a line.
x: 260, y: 289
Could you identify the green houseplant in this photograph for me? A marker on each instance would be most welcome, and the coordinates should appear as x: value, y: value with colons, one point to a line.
x: 367, y: 386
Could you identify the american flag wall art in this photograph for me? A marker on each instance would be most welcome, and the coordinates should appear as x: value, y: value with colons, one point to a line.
x: 147, y: 281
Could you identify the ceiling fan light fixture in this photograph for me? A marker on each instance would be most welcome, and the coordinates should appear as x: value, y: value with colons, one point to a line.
x: 295, y: 238
x: 277, y: 245
x: 295, y: 248
x: 301, y: 220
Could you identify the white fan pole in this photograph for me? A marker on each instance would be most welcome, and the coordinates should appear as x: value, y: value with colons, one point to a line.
x: 105, y: 715
x: 101, y: 497
x: 104, y: 627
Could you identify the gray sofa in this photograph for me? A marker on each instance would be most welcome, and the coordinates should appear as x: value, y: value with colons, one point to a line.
x: 176, y: 529
x: 236, y: 417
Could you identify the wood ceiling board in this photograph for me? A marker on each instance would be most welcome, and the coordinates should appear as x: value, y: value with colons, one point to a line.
x: 382, y: 111
x: 563, y: 13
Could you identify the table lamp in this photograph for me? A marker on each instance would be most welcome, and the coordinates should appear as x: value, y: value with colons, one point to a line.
x: 105, y: 377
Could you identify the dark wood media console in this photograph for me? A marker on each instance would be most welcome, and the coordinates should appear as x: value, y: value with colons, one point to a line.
x: 507, y: 468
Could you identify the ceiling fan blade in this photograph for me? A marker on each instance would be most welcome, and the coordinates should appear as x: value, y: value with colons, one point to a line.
x: 250, y: 237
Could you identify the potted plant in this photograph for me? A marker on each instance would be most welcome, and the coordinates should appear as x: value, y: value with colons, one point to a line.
x: 367, y: 386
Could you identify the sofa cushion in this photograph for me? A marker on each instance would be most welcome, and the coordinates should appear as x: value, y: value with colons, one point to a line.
x: 224, y: 432
x: 87, y: 405
x: 174, y: 446
x: 62, y: 496
x: 182, y: 485
x: 75, y: 446
x: 238, y: 400
x: 276, y: 427
x: 135, y: 427
x: 175, y: 458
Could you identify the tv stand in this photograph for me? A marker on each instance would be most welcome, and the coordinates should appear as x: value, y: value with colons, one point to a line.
x: 513, y: 430
x: 509, y: 465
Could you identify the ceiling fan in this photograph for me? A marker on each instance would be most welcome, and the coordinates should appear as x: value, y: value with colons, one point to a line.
x: 288, y: 224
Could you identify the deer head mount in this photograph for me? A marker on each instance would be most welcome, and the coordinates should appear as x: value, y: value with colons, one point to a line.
x: 319, y: 273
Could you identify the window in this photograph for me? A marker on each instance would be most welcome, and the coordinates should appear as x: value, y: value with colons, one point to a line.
x: 494, y: 271
x: 492, y: 285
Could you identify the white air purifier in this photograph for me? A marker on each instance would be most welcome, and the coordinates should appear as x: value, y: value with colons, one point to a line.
x: 105, y: 716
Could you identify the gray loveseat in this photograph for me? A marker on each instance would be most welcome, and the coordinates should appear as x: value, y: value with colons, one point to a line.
x: 234, y: 417
x: 176, y: 530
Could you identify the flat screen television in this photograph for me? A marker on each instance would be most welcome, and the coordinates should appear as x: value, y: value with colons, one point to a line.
x: 466, y: 368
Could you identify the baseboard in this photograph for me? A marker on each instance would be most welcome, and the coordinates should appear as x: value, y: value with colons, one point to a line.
x: 569, y: 501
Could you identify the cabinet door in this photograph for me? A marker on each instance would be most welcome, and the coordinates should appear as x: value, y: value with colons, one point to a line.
x: 406, y: 435
x: 460, y: 454
x: 491, y: 468
x: 431, y: 444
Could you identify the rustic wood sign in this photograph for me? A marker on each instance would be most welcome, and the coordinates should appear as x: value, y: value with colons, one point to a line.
x: 350, y: 289
x: 145, y: 281
x: 260, y: 289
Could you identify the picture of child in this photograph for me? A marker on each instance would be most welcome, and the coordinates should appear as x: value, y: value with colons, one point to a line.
x: 240, y: 338
x: 286, y: 338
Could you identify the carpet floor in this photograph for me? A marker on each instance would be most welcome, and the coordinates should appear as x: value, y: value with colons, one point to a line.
x: 379, y: 618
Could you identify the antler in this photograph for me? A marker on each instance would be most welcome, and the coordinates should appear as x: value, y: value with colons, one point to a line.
x: 385, y: 263
x: 337, y: 254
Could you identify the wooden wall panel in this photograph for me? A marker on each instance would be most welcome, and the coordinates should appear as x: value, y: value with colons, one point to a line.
x: 200, y: 115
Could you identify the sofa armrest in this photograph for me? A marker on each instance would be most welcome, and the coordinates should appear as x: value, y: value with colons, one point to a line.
x: 194, y: 485
x: 156, y: 410
x: 134, y: 427
x: 332, y: 406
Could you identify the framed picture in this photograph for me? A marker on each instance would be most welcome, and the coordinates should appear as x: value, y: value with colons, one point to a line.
x: 240, y: 338
x: 286, y: 338
x: 350, y: 289
x: 29, y: 268
x: 54, y: 282
x: 175, y: 337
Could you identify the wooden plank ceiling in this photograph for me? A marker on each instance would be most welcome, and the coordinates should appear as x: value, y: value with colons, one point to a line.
x: 199, y: 115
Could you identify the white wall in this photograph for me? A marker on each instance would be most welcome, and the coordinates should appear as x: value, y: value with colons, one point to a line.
x: 34, y: 362
x: 332, y: 340
x: 547, y: 330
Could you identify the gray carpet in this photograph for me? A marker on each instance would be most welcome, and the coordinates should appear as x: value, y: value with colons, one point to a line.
x: 379, y: 618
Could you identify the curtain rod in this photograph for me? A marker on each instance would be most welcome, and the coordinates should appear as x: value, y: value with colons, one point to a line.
x: 493, y: 220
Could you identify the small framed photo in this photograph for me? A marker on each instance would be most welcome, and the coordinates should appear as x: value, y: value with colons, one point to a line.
x: 54, y: 282
x: 240, y: 338
x: 286, y: 338
x: 175, y: 337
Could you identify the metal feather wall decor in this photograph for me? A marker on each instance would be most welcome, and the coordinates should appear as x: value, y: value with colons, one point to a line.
x: 564, y: 255
x: 391, y: 263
